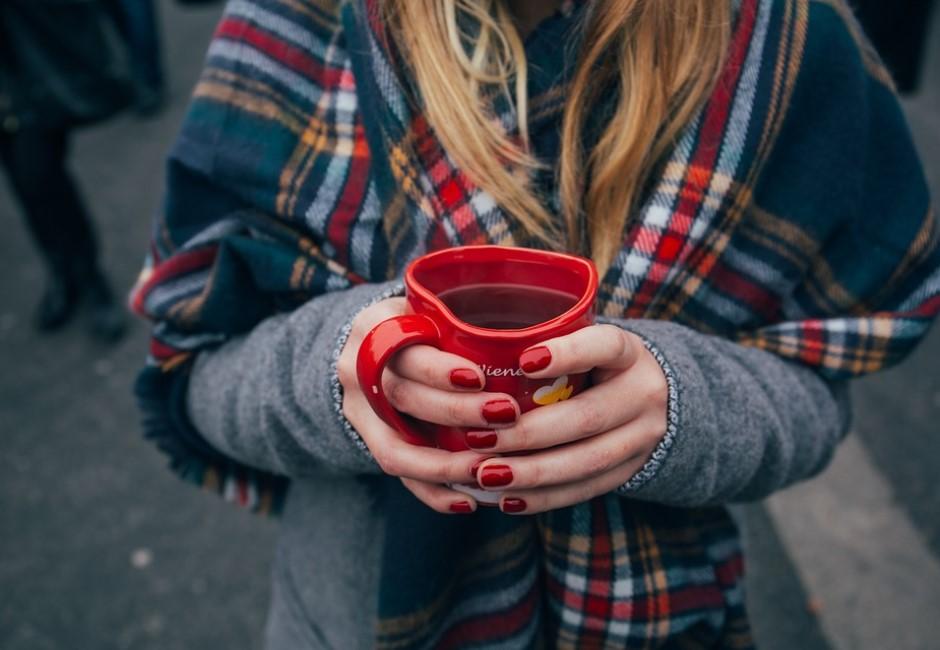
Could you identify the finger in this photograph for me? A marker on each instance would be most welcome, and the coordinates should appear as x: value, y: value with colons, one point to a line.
x: 371, y: 316
x: 440, y: 498
x: 579, y: 461
x: 597, y: 346
x: 433, y: 367
x: 397, y: 457
x: 530, y: 502
x: 361, y: 325
x: 600, y: 408
x: 447, y: 407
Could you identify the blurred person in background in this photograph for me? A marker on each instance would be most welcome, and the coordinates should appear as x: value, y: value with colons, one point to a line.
x: 898, y: 29
x: 742, y: 175
x: 138, y: 23
x: 59, y: 70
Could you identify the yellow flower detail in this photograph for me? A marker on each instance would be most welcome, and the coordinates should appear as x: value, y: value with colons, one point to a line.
x: 557, y: 392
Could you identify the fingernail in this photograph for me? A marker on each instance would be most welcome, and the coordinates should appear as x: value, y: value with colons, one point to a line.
x: 461, y: 507
x: 480, y: 439
x: 513, y: 505
x: 475, y: 467
x: 499, y: 411
x: 493, y: 476
x: 535, y: 359
x: 465, y: 378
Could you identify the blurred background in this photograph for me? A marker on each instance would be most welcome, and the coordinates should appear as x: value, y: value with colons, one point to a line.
x: 101, y: 547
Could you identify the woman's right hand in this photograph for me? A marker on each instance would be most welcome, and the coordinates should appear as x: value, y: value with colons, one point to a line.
x: 430, y: 385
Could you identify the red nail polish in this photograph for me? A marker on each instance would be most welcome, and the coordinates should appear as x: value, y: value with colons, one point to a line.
x: 499, y: 411
x: 480, y: 439
x: 475, y: 467
x: 465, y: 378
x: 493, y: 476
x: 513, y: 505
x: 535, y: 359
x: 461, y: 507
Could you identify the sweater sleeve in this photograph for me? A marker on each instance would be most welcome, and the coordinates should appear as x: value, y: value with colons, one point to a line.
x: 271, y: 399
x: 742, y: 422
x: 270, y: 209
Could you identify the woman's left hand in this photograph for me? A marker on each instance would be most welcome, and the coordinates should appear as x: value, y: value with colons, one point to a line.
x: 589, y: 444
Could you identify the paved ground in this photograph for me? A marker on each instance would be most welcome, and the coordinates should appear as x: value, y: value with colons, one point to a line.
x: 100, y: 548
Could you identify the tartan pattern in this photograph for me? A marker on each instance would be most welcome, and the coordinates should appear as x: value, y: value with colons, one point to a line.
x: 303, y: 167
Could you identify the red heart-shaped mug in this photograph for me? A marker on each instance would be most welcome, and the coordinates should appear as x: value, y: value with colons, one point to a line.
x: 487, y: 304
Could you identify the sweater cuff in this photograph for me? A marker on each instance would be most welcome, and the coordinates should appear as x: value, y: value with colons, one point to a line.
x: 336, y: 387
x: 683, y: 470
x: 661, y: 452
x: 660, y: 456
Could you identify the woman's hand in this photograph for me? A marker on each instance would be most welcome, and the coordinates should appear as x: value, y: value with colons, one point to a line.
x: 587, y: 445
x: 430, y: 385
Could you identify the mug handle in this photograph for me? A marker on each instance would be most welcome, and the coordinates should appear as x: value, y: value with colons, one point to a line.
x: 385, y: 339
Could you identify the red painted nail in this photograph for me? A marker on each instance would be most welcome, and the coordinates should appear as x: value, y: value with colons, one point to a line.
x: 513, y: 505
x: 480, y: 439
x: 465, y: 378
x: 499, y: 411
x: 475, y: 467
x: 535, y: 359
x: 493, y: 476
x: 461, y: 507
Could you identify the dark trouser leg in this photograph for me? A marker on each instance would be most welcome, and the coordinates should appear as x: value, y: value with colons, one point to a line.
x: 34, y: 160
x: 898, y: 30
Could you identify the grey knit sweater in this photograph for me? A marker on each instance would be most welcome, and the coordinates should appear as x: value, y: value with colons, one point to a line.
x: 742, y: 424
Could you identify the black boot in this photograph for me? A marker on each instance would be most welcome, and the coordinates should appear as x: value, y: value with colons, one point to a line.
x: 58, y: 303
x: 106, y: 315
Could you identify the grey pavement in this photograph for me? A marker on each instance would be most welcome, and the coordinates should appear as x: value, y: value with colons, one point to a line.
x: 101, y: 548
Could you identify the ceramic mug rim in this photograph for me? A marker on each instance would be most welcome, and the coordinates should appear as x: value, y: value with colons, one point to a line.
x: 485, y: 253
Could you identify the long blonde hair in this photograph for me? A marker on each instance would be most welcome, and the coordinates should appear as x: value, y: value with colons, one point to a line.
x: 661, y: 57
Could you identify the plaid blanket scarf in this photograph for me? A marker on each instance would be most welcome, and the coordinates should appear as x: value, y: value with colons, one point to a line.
x: 792, y: 215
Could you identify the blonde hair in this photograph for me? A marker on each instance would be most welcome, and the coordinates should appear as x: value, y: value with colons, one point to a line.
x: 662, y: 57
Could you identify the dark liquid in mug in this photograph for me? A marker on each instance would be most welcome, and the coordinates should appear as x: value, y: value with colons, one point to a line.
x: 506, y: 306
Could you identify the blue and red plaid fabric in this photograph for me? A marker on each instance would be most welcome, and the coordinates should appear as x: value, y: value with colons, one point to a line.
x: 792, y: 215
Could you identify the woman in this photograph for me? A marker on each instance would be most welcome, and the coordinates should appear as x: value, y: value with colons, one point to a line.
x: 740, y: 173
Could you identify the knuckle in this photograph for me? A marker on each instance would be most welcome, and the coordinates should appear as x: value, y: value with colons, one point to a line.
x: 572, y: 348
x: 393, y: 306
x: 420, y: 365
x: 454, y: 410
x: 583, y: 493
x: 622, y: 346
x: 534, y: 474
x: 599, y: 462
x: 520, y: 436
x: 589, y: 418
x: 455, y: 470
x: 345, y: 372
x: 658, y: 394
x: 402, y: 361
x: 396, y: 392
x: 430, y: 375
x: 655, y: 431
x: 348, y: 410
x: 386, y: 461
x: 435, y: 474
x: 358, y: 328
